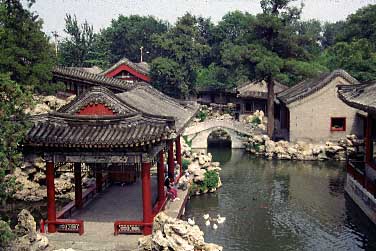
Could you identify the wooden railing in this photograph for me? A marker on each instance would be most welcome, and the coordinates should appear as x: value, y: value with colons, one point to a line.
x: 73, y: 225
x: 129, y: 227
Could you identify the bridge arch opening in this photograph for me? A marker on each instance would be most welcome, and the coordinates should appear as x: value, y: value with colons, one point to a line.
x: 219, y: 138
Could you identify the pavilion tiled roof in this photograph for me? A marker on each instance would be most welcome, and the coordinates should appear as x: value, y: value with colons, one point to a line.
x: 361, y: 96
x: 310, y: 86
x: 147, y: 99
x: 141, y: 67
x: 91, y: 79
x: 258, y: 89
x: 66, y: 130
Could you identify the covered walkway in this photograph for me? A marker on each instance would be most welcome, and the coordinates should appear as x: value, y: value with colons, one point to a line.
x: 115, y: 203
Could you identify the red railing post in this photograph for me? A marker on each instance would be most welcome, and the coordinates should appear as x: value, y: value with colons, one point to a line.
x: 51, y: 207
x: 171, y: 166
x: 146, y: 197
x: 178, y: 154
x: 161, y: 178
x: 77, y: 185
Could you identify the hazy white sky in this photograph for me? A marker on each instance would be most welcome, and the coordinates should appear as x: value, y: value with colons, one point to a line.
x: 99, y: 13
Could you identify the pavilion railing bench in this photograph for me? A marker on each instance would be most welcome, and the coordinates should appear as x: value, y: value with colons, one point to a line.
x: 64, y: 225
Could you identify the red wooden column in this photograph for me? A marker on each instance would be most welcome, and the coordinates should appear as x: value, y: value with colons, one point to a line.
x: 178, y: 154
x: 146, y: 197
x: 98, y: 181
x: 77, y: 185
x: 160, y: 174
x: 171, y: 164
x: 51, y: 207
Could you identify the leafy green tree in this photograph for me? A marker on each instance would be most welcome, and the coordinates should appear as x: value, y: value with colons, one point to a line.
x: 183, y: 46
x: 357, y: 57
x: 127, y: 34
x: 331, y: 32
x: 78, y: 46
x: 168, y: 77
x: 25, y: 51
x: 14, y: 99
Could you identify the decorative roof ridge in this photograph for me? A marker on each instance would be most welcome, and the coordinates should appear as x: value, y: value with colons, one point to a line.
x: 262, y: 81
x: 93, y: 79
x: 317, y: 84
x: 127, y: 62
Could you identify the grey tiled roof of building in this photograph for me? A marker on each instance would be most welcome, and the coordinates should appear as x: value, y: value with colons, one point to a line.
x: 310, y: 86
x: 361, y: 96
x: 141, y: 67
x: 258, y: 89
x: 91, y: 79
x: 66, y: 130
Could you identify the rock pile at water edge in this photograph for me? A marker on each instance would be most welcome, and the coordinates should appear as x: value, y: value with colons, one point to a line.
x: 177, y: 235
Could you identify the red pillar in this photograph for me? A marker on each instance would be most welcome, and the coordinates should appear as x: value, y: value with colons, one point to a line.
x: 98, y: 181
x: 171, y: 166
x: 51, y: 207
x: 146, y: 197
x: 178, y: 154
x: 77, y: 185
x: 160, y: 173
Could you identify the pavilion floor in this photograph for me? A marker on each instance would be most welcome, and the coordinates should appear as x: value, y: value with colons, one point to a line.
x: 114, y: 203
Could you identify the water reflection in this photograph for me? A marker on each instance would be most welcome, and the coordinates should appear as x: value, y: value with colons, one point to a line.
x: 282, y: 205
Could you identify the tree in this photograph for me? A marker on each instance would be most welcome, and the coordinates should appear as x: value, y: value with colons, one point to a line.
x: 183, y: 46
x: 25, y: 51
x: 278, y: 48
x: 357, y: 57
x: 127, y: 35
x: 77, y: 48
x: 14, y: 99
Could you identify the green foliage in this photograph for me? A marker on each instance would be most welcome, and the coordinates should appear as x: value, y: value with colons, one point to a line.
x: 6, y: 234
x: 211, y: 180
x: 202, y: 115
x: 50, y: 88
x: 127, y: 34
x: 185, y: 47
x: 13, y: 101
x: 256, y: 120
x: 357, y: 57
x: 185, y: 164
x: 188, y: 142
x: 76, y: 48
x: 25, y: 51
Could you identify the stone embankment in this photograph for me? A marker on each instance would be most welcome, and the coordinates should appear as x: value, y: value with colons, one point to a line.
x: 174, y: 234
x: 203, y: 172
x: 262, y: 145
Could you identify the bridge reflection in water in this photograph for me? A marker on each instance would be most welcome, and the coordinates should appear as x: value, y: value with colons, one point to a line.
x: 282, y: 205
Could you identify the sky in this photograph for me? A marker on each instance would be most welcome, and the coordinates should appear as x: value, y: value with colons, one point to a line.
x: 99, y: 13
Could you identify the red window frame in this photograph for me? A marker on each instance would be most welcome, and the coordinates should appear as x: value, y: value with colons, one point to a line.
x: 332, y: 129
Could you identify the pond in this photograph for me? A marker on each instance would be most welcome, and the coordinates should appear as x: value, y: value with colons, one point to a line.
x: 281, y: 205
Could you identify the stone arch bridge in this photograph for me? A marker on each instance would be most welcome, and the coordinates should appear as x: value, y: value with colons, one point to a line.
x: 198, y: 133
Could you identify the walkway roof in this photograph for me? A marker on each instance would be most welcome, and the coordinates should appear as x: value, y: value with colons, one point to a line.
x: 310, y: 86
x: 362, y: 96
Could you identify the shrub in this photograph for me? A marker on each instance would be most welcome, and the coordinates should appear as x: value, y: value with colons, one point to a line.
x: 202, y: 115
x: 6, y: 234
x: 188, y: 142
x: 211, y: 180
x: 255, y: 120
x: 185, y: 163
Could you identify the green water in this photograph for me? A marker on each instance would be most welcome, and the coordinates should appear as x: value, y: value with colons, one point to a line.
x: 282, y: 205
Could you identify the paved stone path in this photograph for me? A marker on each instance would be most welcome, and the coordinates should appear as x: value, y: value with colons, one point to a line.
x: 115, y: 203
